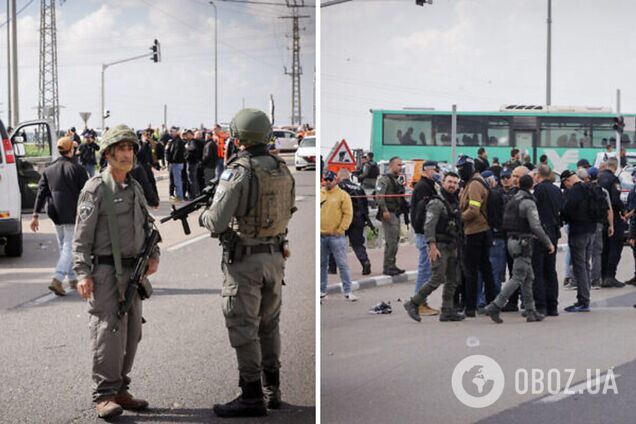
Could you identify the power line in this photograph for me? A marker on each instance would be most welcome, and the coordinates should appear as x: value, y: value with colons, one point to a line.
x: 17, y: 13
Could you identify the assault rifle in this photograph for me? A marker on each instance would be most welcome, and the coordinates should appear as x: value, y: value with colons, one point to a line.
x: 135, y: 283
x: 181, y: 213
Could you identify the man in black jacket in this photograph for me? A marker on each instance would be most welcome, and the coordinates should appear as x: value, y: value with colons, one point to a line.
x: 579, y: 237
x: 612, y: 245
x: 424, y: 191
x: 59, y: 188
x: 355, y: 232
x: 193, y: 156
x: 546, y: 284
x: 87, y: 153
x: 175, y: 152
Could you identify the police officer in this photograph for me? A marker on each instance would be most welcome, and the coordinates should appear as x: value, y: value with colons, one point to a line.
x: 442, y: 233
x: 391, y: 204
x: 612, y: 244
x: 521, y: 221
x: 112, y: 220
x: 249, y: 213
x: 549, y: 202
x: 355, y: 232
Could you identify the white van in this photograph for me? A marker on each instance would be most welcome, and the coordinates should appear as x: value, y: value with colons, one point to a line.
x: 10, y: 198
x: 18, y: 184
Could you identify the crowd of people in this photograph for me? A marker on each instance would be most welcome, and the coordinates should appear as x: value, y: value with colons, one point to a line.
x: 474, y: 224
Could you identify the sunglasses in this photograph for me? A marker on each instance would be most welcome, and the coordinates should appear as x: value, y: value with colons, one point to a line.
x: 505, y: 177
x: 329, y: 179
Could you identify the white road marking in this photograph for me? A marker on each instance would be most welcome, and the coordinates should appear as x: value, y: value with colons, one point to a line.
x: 41, y: 300
x: 188, y: 242
x: 579, y: 389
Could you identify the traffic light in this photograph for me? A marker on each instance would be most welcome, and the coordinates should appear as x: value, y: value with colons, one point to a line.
x: 421, y: 2
x: 619, y: 124
x: 156, y: 52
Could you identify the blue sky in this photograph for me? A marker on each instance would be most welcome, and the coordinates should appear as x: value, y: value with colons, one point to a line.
x: 479, y: 54
x: 253, y: 49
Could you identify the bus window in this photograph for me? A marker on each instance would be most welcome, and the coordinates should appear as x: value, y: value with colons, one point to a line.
x: 407, y: 130
x: 565, y: 132
x: 498, y: 133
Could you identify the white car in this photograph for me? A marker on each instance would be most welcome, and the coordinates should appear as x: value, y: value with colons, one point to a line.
x: 305, y: 157
x: 285, y: 140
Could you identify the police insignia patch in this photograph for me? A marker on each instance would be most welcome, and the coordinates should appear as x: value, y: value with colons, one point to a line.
x: 227, y: 174
x: 220, y: 193
x: 85, y: 210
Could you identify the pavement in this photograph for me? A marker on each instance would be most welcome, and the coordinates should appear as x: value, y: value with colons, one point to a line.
x: 389, y: 368
x: 184, y: 364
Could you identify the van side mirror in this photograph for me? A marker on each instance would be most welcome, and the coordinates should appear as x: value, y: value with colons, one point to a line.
x: 19, y: 150
x: 18, y: 139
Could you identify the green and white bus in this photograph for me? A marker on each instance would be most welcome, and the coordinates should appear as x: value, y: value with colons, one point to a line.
x: 563, y: 134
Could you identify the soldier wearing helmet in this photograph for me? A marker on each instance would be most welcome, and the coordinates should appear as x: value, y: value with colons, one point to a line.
x: 250, y: 211
x: 112, y: 220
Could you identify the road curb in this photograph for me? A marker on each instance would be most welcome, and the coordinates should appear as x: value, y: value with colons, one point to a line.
x: 380, y: 280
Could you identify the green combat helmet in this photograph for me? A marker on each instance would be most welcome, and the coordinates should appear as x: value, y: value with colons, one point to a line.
x: 250, y: 127
x: 119, y: 133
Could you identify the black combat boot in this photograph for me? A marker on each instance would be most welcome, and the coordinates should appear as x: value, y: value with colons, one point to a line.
x: 412, y: 310
x: 492, y: 311
x: 271, y: 389
x: 451, y: 315
x: 366, y: 268
x: 249, y: 404
x: 534, y: 316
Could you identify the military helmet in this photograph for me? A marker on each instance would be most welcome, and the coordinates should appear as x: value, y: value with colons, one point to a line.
x: 250, y: 127
x: 119, y: 133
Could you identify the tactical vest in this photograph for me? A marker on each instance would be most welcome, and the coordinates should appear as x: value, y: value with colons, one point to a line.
x: 393, y: 204
x: 447, y: 229
x: 270, y: 208
x: 513, y: 222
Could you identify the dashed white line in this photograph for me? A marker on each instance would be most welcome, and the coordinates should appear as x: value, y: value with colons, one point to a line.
x: 188, y: 242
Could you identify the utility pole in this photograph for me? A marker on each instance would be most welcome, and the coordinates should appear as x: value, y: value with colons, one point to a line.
x: 216, y: 78
x: 8, y: 65
x: 548, y: 74
x: 15, y: 104
x: 49, y: 102
x: 296, y: 70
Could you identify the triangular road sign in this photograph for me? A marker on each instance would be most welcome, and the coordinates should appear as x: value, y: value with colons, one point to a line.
x: 341, y: 154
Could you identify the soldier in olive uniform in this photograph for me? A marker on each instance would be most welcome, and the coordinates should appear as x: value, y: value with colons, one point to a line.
x: 521, y: 223
x: 249, y: 213
x: 389, y: 210
x: 442, y: 234
x: 112, y: 220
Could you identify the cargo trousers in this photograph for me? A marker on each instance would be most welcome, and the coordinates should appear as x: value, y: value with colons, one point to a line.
x: 522, y: 274
x: 444, y: 271
x: 252, y: 299
x: 113, y: 341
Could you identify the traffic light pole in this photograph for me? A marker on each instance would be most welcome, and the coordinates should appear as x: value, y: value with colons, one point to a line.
x: 619, y: 134
x: 108, y: 65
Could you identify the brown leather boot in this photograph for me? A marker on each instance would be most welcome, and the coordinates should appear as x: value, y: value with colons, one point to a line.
x: 129, y: 403
x: 108, y: 408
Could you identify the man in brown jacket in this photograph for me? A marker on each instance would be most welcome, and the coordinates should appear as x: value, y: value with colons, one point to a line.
x: 473, y: 203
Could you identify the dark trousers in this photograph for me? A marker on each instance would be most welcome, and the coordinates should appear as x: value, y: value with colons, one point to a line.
x: 193, y: 179
x: 477, y: 258
x: 612, y: 249
x: 355, y: 233
x: 171, y: 185
x: 546, y: 283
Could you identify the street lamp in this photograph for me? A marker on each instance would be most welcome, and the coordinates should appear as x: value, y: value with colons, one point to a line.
x: 216, y: 88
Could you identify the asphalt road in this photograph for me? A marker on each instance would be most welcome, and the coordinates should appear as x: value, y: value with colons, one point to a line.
x: 389, y: 368
x: 184, y: 364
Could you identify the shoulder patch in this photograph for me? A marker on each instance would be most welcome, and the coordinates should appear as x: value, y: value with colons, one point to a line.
x: 227, y: 174
x: 86, y: 209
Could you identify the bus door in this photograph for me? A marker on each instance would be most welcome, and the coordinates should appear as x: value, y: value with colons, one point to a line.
x: 525, y: 141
